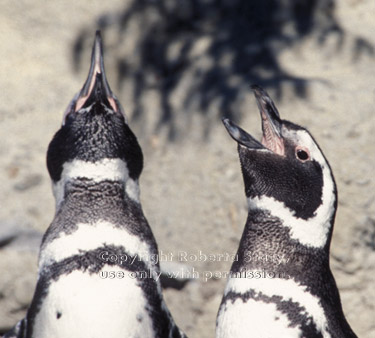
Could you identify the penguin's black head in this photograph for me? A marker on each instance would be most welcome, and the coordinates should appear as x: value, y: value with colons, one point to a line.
x: 286, y: 172
x: 94, y: 126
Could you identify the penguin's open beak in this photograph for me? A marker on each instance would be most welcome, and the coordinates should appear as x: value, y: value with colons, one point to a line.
x: 271, y: 125
x: 96, y: 87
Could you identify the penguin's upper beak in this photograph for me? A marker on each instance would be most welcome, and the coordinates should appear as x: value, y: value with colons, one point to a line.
x: 271, y: 125
x: 96, y: 87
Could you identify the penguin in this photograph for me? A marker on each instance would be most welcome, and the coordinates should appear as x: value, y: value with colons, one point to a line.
x: 98, y: 273
x: 281, y: 284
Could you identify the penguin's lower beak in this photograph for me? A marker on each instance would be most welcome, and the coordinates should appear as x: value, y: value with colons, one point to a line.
x: 96, y: 87
x: 241, y: 136
x: 271, y: 126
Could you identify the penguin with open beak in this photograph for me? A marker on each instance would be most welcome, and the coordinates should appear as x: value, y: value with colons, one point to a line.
x: 98, y: 276
x: 281, y: 285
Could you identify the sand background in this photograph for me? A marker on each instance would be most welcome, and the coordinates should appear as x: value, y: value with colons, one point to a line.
x: 191, y: 186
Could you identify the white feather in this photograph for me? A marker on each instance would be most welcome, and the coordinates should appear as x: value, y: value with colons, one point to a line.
x: 92, y: 236
x: 90, y: 306
x: 253, y: 319
x: 289, y: 290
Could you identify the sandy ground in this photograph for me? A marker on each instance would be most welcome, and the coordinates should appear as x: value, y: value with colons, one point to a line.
x: 191, y: 189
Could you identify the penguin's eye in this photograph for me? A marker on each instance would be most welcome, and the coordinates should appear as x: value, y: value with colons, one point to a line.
x: 302, y: 154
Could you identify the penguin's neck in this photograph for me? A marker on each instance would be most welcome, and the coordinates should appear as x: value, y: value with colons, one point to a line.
x: 94, y: 182
x: 266, y: 244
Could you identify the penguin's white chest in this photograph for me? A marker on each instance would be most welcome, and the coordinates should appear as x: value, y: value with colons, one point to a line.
x: 253, y: 319
x: 246, y: 316
x: 82, y: 305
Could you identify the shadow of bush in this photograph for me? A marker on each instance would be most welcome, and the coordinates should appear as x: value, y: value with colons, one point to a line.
x: 216, y: 49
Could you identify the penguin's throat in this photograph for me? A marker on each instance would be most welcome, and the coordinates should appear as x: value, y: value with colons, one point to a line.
x: 87, y: 176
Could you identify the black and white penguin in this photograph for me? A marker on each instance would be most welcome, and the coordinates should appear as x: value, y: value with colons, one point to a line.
x: 281, y: 284
x: 98, y: 268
